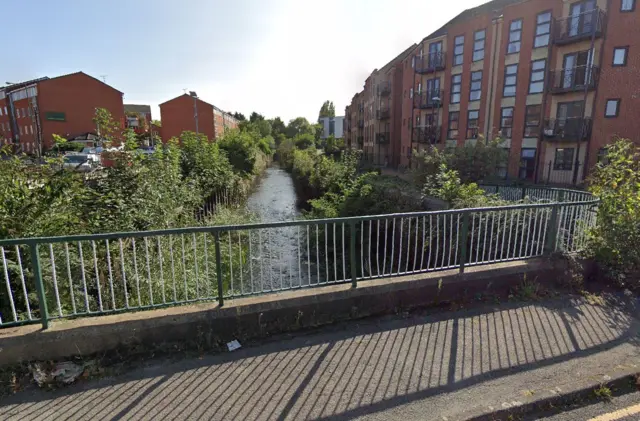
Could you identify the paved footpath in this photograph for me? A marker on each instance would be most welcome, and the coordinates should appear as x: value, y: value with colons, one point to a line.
x: 446, y: 366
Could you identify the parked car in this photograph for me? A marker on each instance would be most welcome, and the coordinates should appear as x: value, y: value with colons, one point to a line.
x: 78, y: 162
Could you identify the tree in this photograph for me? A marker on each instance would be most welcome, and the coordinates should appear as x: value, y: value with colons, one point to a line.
x: 278, y: 126
x: 239, y: 116
x: 304, y: 141
x: 156, y: 123
x: 106, y: 128
x: 327, y: 110
x: 299, y: 126
x: 255, y: 117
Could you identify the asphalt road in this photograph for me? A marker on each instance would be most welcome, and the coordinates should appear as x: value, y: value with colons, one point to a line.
x: 600, y: 410
x: 448, y: 366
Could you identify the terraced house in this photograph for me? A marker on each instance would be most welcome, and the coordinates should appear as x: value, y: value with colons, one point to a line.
x: 555, y: 80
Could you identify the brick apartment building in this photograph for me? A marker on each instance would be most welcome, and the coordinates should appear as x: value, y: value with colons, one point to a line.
x: 189, y: 113
x: 137, y: 117
x: 31, y: 112
x: 556, y: 80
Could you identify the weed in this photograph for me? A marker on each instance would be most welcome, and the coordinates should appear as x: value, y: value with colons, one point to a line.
x: 593, y: 299
x: 528, y: 290
x: 603, y: 392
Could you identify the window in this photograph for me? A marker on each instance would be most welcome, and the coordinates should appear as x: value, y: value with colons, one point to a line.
x: 454, y: 125
x: 20, y: 129
x: 510, y: 79
x: 5, y: 111
x: 458, y: 50
x: 31, y: 128
x: 515, y: 35
x: 563, y: 160
x: 456, y: 88
x: 476, y: 86
x: 543, y: 30
x: 532, y: 121
x: 613, y: 108
x: 472, y: 124
x: 411, y: 93
x: 413, y: 62
x: 506, y: 122
x: 527, y: 163
x: 478, y: 45
x: 620, y: 56
x: 0, y: 111
x: 536, y: 82
x: 29, y: 111
x: 627, y: 5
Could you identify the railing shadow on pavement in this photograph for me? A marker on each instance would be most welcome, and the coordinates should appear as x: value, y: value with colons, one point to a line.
x: 348, y: 371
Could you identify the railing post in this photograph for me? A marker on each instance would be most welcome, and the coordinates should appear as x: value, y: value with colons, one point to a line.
x: 462, y: 240
x: 552, y: 229
x: 352, y: 254
x: 524, y: 193
x: 219, y: 269
x: 37, y: 276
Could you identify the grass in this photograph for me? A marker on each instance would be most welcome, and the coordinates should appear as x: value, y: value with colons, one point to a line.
x: 604, y: 393
x: 528, y: 290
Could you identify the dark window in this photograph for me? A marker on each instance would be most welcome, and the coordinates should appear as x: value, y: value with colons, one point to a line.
x: 475, y: 90
x: 332, y: 127
x: 627, y: 5
x: 564, y: 159
x: 532, y: 121
x: 603, y: 156
x: 543, y: 30
x: 472, y: 124
x: 620, y: 56
x: 456, y: 88
x: 478, y: 45
x: 458, y: 50
x: 612, y: 109
x: 536, y: 82
x: 454, y: 125
x: 510, y: 79
x: 515, y: 35
x: 527, y: 163
x: 506, y: 122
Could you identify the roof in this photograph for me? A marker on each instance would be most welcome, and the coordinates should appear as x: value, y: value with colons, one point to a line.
x: 87, y: 75
x: 19, y: 85
x: 399, y: 57
x: 492, y: 6
x: 133, y: 108
x: 184, y: 95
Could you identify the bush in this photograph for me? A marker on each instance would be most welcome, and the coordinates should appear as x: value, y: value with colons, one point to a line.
x: 614, y: 240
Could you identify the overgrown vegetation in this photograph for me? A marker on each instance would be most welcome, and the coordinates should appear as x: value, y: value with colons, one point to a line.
x: 614, y: 240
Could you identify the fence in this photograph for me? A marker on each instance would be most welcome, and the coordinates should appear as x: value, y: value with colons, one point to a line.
x: 62, y: 277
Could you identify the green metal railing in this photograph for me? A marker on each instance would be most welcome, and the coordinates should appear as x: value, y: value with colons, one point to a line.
x: 80, y: 275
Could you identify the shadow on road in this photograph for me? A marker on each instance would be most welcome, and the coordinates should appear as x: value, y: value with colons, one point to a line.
x: 364, y: 369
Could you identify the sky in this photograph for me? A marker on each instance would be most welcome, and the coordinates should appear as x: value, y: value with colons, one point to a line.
x: 277, y: 57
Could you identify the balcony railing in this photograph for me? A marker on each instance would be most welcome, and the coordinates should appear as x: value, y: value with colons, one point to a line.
x: 383, y: 114
x: 384, y: 88
x: 432, y: 62
x: 568, y: 129
x: 574, y: 79
x: 428, y: 99
x: 579, y: 27
x: 384, y: 137
x: 427, y: 134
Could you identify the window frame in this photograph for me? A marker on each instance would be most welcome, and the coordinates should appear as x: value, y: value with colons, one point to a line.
x: 536, y: 35
x: 618, y: 101
x: 514, y: 85
x: 471, y: 81
x: 512, y: 31
x: 459, y: 93
x: 502, y: 118
x: 455, y: 45
x: 527, y: 125
x: 477, y: 126
x: 532, y: 71
x: 449, y: 121
x: 484, y: 44
x: 626, y: 56
x: 633, y: 7
x: 563, y: 167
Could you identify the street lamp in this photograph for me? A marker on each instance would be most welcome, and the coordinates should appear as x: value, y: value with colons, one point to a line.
x: 195, y: 108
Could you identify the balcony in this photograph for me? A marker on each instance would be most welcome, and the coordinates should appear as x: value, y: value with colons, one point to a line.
x: 383, y: 114
x: 383, y: 138
x: 361, y: 124
x: 432, y: 62
x: 428, y: 99
x: 575, y: 79
x: 427, y: 134
x: 568, y: 129
x: 580, y: 27
x: 384, y: 88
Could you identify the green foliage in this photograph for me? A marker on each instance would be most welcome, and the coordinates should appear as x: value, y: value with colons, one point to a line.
x: 239, y: 116
x: 446, y: 185
x: 327, y: 110
x: 107, y: 129
x: 242, y: 148
x: 473, y: 163
x: 278, y: 127
x: 300, y: 126
x: 254, y: 117
x: 304, y: 141
x: 156, y: 123
x: 615, y: 238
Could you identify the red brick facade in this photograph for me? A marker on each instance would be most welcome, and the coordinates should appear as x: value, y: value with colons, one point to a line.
x: 547, y: 68
x: 179, y: 115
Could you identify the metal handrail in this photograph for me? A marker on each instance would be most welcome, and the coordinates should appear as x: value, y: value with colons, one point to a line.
x: 94, y: 274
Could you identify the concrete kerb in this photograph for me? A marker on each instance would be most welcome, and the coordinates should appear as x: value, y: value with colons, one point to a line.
x: 261, y: 316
